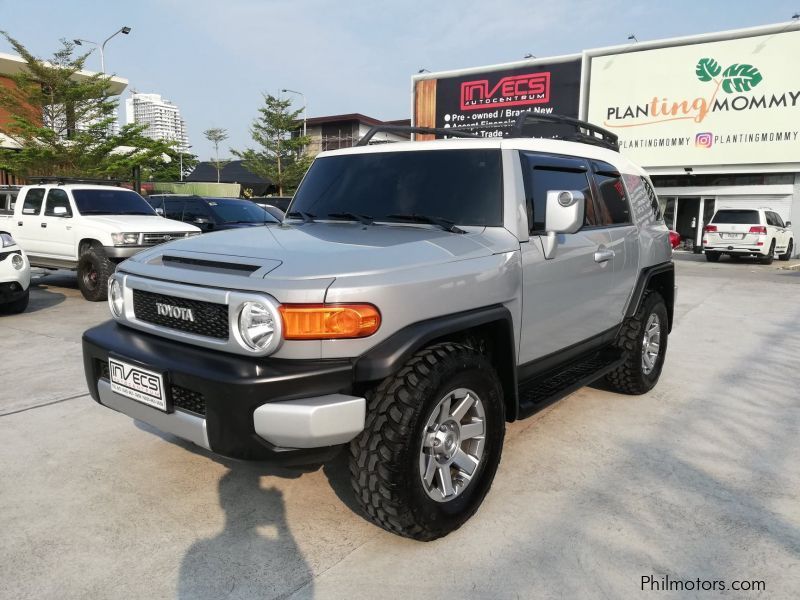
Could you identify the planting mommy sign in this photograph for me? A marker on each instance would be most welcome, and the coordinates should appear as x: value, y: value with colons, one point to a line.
x: 717, y: 103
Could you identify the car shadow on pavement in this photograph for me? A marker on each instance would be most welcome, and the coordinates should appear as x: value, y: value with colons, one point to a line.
x: 43, y: 298
x: 255, y: 555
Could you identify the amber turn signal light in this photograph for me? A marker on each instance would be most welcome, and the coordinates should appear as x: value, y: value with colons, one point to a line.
x: 329, y: 321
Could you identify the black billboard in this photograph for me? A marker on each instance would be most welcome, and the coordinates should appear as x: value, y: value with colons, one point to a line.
x: 490, y: 102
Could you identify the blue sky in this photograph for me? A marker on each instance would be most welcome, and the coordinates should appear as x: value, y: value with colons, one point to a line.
x: 215, y: 58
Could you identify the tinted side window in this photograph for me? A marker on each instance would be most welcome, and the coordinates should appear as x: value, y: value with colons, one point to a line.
x: 779, y: 220
x: 654, y: 203
x: 33, y: 201
x: 57, y: 198
x: 173, y: 209
x: 195, y: 209
x: 541, y: 174
x: 612, y: 206
x: 770, y: 218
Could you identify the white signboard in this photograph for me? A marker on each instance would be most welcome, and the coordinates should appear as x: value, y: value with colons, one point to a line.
x: 717, y: 103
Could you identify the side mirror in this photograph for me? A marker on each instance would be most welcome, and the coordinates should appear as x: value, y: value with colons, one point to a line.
x: 61, y: 211
x: 565, y: 210
x: 160, y: 212
x: 203, y: 223
x: 788, y: 223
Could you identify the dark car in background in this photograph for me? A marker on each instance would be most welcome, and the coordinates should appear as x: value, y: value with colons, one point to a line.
x: 211, y: 214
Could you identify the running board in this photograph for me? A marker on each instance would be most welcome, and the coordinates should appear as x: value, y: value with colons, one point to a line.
x: 535, y: 394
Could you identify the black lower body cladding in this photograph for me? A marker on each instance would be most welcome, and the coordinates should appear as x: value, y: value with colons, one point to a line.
x: 229, y: 387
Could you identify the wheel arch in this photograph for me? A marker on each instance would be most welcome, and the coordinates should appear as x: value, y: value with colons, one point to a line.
x: 659, y: 278
x: 491, y: 329
x: 87, y: 243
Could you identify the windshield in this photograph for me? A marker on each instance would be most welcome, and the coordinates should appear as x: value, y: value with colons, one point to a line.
x: 736, y: 217
x: 111, y: 202
x: 240, y: 211
x: 460, y: 186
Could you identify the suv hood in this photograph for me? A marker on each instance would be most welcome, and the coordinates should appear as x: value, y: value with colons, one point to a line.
x: 138, y: 223
x: 323, y: 250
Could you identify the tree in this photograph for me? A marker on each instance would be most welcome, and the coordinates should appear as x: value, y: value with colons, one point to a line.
x: 63, y: 122
x: 171, y: 170
x: 279, y: 157
x: 216, y: 136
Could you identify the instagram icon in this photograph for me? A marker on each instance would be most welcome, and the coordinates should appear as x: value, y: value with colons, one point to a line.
x: 704, y: 140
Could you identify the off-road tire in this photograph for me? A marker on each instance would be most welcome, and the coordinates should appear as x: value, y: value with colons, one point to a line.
x: 94, y: 269
x: 630, y: 378
x: 767, y: 260
x: 384, y: 458
x: 788, y: 254
x: 17, y: 306
x: 712, y: 256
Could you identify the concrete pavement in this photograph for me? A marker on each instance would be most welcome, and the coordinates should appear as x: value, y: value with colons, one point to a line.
x: 697, y: 479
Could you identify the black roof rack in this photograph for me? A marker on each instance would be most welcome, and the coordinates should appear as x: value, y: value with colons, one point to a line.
x: 409, y: 129
x: 585, y: 133
x: 65, y: 180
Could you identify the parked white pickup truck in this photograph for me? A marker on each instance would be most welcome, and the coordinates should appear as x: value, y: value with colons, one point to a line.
x: 88, y: 228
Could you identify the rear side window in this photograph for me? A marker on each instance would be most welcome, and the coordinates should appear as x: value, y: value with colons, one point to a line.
x: 770, y: 218
x: 612, y: 207
x: 33, y: 201
x: 736, y: 217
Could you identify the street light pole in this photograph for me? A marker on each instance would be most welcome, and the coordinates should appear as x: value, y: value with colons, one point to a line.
x: 102, y: 47
x: 305, y: 107
x: 181, y: 155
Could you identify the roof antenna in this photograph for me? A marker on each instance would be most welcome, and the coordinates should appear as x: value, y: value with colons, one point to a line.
x: 632, y: 37
x: 423, y: 71
x: 529, y: 55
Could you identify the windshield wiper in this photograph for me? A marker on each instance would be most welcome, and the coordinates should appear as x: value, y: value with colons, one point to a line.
x: 306, y: 216
x: 438, y: 221
x: 363, y: 219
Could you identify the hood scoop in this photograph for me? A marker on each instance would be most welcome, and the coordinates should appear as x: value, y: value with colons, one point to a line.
x: 213, y: 266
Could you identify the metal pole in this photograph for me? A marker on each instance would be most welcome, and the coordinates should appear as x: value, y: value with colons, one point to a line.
x: 181, y: 167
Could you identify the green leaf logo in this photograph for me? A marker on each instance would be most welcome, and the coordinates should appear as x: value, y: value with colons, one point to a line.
x: 707, y: 69
x: 740, y: 78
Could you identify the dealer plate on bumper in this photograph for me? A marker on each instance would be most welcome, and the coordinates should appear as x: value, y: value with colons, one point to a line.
x: 137, y: 383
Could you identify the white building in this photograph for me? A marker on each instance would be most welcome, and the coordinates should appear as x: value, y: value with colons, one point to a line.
x: 162, y: 117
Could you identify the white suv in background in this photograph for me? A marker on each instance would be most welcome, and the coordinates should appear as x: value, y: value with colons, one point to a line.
x: 748, y: 232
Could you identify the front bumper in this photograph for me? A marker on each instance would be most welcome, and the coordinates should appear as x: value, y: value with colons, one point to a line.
x: 123, y: 252
x: 13, y: 282
x: 289, y: 412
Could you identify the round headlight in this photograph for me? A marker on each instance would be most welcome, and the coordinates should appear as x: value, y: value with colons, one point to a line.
x: 115, y: 300
x: 17, y: 262
x: 258, y: 326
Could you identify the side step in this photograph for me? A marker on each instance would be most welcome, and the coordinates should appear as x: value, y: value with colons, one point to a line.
x: 535, y: 394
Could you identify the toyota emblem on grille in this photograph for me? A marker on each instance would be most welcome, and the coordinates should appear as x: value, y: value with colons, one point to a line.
x: 167, y: 238
x: 176, y: 312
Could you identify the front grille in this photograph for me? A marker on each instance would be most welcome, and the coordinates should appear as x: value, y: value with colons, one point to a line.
x: 151, y: 239
x: 201, y: 318
x: 188, y: 400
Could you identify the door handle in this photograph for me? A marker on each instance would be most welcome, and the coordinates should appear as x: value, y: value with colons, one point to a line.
x: 19, y: 223
x: 44, y: 224
x: 603, y: 255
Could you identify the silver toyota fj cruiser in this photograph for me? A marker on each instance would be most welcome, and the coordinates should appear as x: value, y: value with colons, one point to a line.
x: 417, y: 297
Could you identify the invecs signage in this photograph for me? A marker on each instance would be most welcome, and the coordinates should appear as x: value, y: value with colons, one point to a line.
x: 489, y: 101
x: 517, y: 90
x: 729, y: 102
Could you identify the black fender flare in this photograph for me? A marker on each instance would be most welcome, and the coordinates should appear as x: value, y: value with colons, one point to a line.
x: 660, y: 277
x: 390, y: 355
